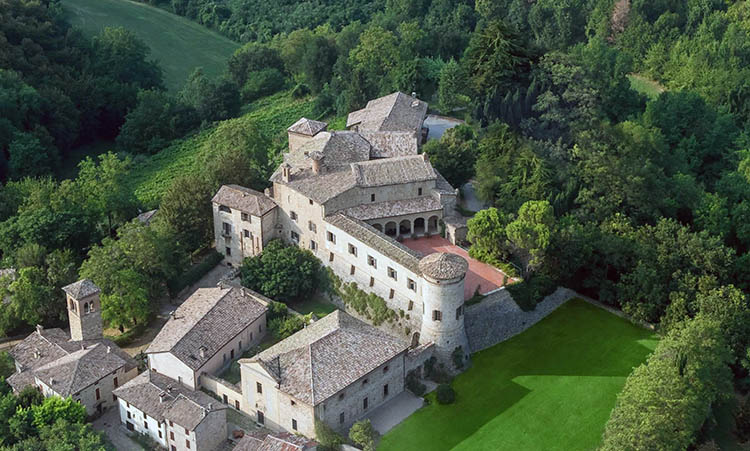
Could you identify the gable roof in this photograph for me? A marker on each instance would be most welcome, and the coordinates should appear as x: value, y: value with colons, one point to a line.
x: 81, y: 289
x: 279, y: 441
x: 244, y: 199
x: 307, y: 127
x: 336, y: 148
x: 163, y: 398
x: 394, y: 112
x: 393, y: 171
x: 53, y: 353
x: 327, y: 356
x: 209, y: 318
x: 391, y: 144
x: 72, y: 373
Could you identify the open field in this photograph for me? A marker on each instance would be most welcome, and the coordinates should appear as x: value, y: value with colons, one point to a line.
x: 551, y: 387
x: 179, y: 44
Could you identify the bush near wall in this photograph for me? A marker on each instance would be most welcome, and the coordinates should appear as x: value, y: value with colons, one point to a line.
x: 195, y: 273
x: 369, y: 305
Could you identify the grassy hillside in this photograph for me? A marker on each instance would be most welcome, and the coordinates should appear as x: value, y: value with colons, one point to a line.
x: 272, y: 114
x: 179, y: 44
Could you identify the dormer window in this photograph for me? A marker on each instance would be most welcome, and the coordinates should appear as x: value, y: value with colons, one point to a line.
x: 225, y: 209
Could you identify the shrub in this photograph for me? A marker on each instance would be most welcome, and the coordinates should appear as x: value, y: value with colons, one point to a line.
x: 435, y: 371
x: 363, y: 434
x: 445, y: 394
x: 262, y: 83
x: 413, y: 384
x: 458, y: 358
x: 326, y: 436
x: 284, y: 327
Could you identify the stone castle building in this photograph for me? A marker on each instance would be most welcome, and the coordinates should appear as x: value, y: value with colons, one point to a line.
x: 349, y: 197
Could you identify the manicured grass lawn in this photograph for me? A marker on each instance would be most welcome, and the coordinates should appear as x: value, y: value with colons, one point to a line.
x: 317, y: 304
x: 179, y: 44
x: 549, y: 388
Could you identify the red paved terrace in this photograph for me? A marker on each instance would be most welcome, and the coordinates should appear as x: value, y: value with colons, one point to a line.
x: 481, y: 275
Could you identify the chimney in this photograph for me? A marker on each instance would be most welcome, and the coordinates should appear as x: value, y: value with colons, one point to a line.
x: 51, y: 381
x: 162, y: 396
x: 426, y: 157
x: 317, y: 162
x: 109, y: 349
x: 37, y: 353
x: 39, y: 329
x: 413, y: 94
x: 202, y: 350
x: 210, y: 406
x: 286, y: 170
x: 172, y: 315
x: 169, y: 388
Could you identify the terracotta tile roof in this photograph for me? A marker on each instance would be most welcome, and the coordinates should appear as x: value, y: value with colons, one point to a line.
x: 337, y: 148
x: 209, y: 318
x: 163, y: 398
x: 443, y: 266
x: 389, y: 209
x: 377, y: 240
x: 244, y: 199
x: 393, y: 171
x: 327, y: 356
x: 279, y: 441
x: 394, y: 112
x: 52, y: 348
x: 307, y: 127
x: 81, y: 289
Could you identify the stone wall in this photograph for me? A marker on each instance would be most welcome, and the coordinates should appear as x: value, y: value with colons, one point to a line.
x: 222, y: 388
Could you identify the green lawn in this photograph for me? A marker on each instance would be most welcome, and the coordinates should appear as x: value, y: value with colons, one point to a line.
x: 646, y: 86
x: 179, y: 44
x: 317, y: 304
x: 549, y: 388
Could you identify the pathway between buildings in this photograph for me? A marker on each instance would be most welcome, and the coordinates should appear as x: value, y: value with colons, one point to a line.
x: 390, y: 414
x: 109, y: 423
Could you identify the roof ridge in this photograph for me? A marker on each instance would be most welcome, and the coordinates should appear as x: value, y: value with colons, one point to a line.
x: 203, y: 317
x: 312, y: 372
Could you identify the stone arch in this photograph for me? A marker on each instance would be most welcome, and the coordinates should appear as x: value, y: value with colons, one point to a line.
x: 378, y: 227
x: 419, y: 226
x: 391, y: 228
x: 415, y: 339
x: 404, y: 227
x: 432, y: 225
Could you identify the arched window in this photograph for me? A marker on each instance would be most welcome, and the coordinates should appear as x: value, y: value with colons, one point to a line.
x: 86, y: 307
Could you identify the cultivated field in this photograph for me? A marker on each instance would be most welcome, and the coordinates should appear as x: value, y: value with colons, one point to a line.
x: 177, y: 43
x: 551, y: 387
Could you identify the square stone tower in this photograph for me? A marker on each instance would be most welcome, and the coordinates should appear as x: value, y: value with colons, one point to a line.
x: 84, y: 310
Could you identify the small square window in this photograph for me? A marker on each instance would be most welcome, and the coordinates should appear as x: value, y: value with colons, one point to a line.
x: 372, y: 281
x: 351, y: 271
x: 392, y: 273
x: 331, y: 237
x: 437, y: 315
x: 258, y: 387
x: 313, y: 245
x: 459, y: 312
x: 293, y: 215
x: 330, y: 257
x: 365, y: 381
x: 391, y: 294
x: 311, y: 226
x: 371, y: 261
x: 353, y: 250
x: 372, y: 197
x: 341, y: 396
x: 310, y: 200
x: 385, y: 369
x: 411, y: 284
x: 246, y: 233
x: 245, y: 217
x: 419, y: 191
x: 295, y: 236
x: 294, y: 424
x: 411, y: 305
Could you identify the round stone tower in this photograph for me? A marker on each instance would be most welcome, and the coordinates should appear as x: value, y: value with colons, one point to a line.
x: 443, y: 298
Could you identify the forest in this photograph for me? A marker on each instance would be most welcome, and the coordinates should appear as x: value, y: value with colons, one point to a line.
x: 637, y: 198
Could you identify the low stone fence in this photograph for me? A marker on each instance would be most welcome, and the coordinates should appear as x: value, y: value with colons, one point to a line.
x: 228, y: 392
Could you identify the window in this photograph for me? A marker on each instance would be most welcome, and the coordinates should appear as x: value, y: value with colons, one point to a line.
x: 228, y: 251
x: 128, y: 414
x: 128, y: 404
x: 385, y: 391
x: 98, y: 396
x: 187, y: 444
x: 115, y: 382
x: 159, y: 433
x: 385, y: 369
x: 312, y: 227
x: 392, y: 273
x: 225, y: 209
x: 224, y: 399
x: 352, y: 250
x: 186, y: 431
x: 145, y: 424
x: 171, y: 435
x: 261, y: 418
x: 295, y: 236
x: 459, y: 312
x: 371, y: 261
x: 237, y: 404
x: 293, y: 215
x: 114, y: 397
x: 351, y: 271
x: 372, y: 197
x: 372, y: 281
x: 330, y: 257
x: 365, y: 381
x: 411, y: 305
x: 341, y: 418
x: 239, y: 346
x: 411, y: 284
x: 419, y: 191
x: 364, y: 403
x: 331, y: 237
x: 226, y: 228
x: 310, y: 200
x: 224, y: 357
x: 245, y: 217
x: 341, y: 396
x: 231, y: 354
x: 437, y: 315
x: 258, y: 387
x: 313, y: 245
x: 294, y: 424
x: 170, y: 423
x: 391, y: 294
x: 246, y: 233
x: 174, y: 448
x: 292, y: 402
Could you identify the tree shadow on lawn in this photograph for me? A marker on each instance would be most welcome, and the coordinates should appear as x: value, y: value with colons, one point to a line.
x: 576, y: 340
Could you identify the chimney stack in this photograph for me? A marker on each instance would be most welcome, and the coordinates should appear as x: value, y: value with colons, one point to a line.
x: 286, y: 172
x: 202, y: 351
x: 109, y: 349
x: 317, y: 162
x: 162, y: 396
x: 39, y: 329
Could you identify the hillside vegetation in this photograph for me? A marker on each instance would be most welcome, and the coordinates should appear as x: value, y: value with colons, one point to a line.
x: 179, y: 45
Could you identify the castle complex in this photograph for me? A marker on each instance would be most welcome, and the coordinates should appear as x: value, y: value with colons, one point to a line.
x: 350, y: 197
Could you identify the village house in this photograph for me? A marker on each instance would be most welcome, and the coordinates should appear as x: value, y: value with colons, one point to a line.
x: 336, y: 370
x: 174, y: 416
x: 82, y: 365
x: 206, y: 332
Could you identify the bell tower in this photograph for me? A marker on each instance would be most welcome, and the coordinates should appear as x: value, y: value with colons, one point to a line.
x: 84, y: 310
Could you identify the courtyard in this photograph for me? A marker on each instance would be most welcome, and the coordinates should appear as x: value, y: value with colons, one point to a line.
x: 482, y: 275
x: 551, y: 387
